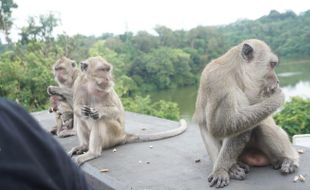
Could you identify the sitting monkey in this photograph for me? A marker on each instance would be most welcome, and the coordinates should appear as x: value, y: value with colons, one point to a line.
x: 65, y: 73
x: 99, y: 113
x: 237, y: 96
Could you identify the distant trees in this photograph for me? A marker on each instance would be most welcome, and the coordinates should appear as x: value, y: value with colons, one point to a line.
x: 142, y: 62
x: 162, y: 68
x: 6, y: 8
x: 287, y: 33
x: 39, y: 28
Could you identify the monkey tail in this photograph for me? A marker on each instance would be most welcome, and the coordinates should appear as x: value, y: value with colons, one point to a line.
x: 133, y: 138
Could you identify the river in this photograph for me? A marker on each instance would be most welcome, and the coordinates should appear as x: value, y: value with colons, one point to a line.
x: 294, y: 79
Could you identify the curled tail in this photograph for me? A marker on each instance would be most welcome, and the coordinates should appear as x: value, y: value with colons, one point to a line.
x: 133, y: 138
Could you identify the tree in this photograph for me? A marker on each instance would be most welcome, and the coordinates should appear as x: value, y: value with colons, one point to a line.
x: 75, y: 47
x: 166, y: 36
x: 145, y: 42
x: 162, y: 68
x: 6, y: 22
x: 39, y: 28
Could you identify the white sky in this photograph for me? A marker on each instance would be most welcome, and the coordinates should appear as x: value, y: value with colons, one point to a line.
x: 94, y: 17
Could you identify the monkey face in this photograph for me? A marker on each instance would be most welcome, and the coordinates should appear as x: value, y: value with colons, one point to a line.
x: 63, y: 71
x: 260, y: 61
x: 99, y: 70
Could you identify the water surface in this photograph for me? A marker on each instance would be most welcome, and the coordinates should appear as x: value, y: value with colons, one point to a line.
x: 294, y: 78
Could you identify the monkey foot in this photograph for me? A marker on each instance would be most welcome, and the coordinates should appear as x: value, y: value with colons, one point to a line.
x: 288, y: 166
x: 81, y: 159
x: 238, y: 171
x: 219, y: 178
x: 53, y: 130
x: 77, y: 150
x: 66, y: 133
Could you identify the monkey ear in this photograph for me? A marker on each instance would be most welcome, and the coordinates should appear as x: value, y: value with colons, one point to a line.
x: 83, y: 66
x: 247, y: 52
x: 73, y: 64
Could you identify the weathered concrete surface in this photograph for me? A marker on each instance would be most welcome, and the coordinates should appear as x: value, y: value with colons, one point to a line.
x: 170, y: 164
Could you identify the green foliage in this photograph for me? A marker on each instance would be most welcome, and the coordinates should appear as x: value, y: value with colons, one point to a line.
x: 287, y: 33
x: 143, y: 61
x: 163, y: 109
x: 162, y: 68
x: 6, y: 22
x: 126, y: 86
x: 295, y: 116
x: 117, y: 59
x: 25, y: 76
x: 39, y: 28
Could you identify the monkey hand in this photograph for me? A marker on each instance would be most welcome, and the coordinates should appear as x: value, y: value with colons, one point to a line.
x: 270, y: 89
x: 219, y: 178
x: 51, y: 90
x: 51, y: 110
x: 90, y: 112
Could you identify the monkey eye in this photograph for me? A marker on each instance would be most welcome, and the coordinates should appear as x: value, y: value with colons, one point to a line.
x: 106, y: 69
x: 273, y: 64
x: 59, y: 68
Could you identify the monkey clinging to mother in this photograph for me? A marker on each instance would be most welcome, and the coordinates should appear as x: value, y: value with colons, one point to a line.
x: 237, y: 96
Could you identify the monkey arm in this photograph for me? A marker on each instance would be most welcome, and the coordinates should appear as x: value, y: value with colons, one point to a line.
x: 65, y: 93
x: 108, y: 112
x: 229, y: 119
x: 199, y: 115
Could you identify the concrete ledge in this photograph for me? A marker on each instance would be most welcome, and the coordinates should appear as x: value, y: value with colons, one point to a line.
x: 98, y: 180
x: 302, y: 140
x: 171, y: 163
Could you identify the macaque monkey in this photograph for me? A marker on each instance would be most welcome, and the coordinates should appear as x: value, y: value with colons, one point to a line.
x: 63, y: 115
x: 99, y: 113
x: 238, y: 93
x: 65, y: 73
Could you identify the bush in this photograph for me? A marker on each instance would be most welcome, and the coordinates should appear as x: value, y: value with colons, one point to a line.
x: 162, y: 109
x: 295, y: 116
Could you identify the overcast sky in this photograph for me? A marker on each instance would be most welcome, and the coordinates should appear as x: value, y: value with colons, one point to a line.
x: 94, y: 17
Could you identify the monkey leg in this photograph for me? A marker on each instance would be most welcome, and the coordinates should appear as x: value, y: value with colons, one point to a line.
x: 95, y: 146
x: 66, y: 128
x: 274, y: 142
x: 54, y: 130
x: 83, y: 136
x: 211, y: 143
x: 226, y: 163
x: 69, y: 124
x: 67, y: 118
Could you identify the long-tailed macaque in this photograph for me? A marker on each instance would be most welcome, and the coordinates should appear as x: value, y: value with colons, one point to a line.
x: 99, y: 113
x: 65, y: 72
x: 237, y: 95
